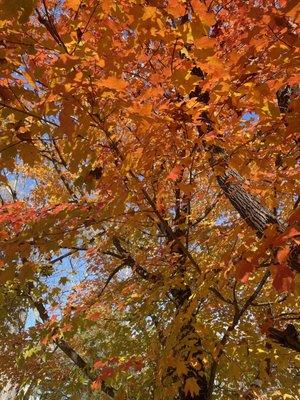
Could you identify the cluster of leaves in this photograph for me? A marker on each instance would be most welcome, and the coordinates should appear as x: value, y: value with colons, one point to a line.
x: 155, y: 250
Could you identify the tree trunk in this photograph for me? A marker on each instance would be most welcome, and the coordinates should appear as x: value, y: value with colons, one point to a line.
x: 248, y: 206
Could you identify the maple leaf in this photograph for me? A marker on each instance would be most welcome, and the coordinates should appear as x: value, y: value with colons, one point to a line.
x: 283, y: 278
x: 175, y: 173
x: 191, y: 386
x: 243, y: 270
x: 148, y: 162
x: 113, y: 82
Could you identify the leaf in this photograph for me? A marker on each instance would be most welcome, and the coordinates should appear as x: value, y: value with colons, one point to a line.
x: 191, y: 387
x: 176, y: 8
x: 113, y: 82
x: 295, y: 216
x: 96, y: 384
x: 202, y: 11
x: 181, y: 367
x: 63, y: 280
x: 22, y: 7
x: 73, y: 4
x: 132, y: 159
x: 31, y: 351
x: 205, y: 42
x: 99, y: 364
x: 292, y: 9
x: 149, y: 13
x: 175, y: 173
x: 291, y: 232
x: 243, y: 270
x: 282, y: 254
x: 283, y: 278
x: 7, y: 275
x: 154, y: 138
x: 65, y: 117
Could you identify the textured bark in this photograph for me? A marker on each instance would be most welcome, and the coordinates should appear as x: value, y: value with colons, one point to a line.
x: 248, y: 206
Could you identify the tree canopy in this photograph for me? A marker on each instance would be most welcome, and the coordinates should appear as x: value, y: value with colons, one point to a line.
x: 149, y: 217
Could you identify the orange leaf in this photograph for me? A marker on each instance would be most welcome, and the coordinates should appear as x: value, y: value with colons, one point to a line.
x: 205, y: 42
x: 176, y: 8
x: 73, y: 4
x: 96, y: 385
x: 113, y: 82
x: 282, y: 254
x: 291, y: 233
x: 175, y: 173
x: 99, y: 364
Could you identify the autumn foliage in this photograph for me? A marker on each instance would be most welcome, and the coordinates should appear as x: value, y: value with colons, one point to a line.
x: 149, y: 218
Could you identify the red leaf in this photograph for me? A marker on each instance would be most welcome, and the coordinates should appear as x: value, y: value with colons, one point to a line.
x: 291, y: 233
x: 283, y: 280
x: 244, y: 270
x: 175, y: 173
x: 295, y: 217
x: 282, y: 254
x: 269, y: 323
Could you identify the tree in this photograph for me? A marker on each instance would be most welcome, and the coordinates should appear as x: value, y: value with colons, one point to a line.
x: 150, y: 207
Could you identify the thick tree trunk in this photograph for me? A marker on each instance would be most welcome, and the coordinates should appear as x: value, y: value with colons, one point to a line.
x: 248, y: 206
x: 256, y: 215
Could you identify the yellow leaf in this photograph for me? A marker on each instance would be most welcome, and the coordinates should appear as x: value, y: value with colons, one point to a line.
x: 132, y: 159
x: 181, y: 368
x: 191, y: 386
x: 101, y: 63
x: 73, y: 4
x: 149, y: 13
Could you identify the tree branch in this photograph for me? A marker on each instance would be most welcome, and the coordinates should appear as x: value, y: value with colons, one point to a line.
x: 231, y: 327
x: 68, y: 350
